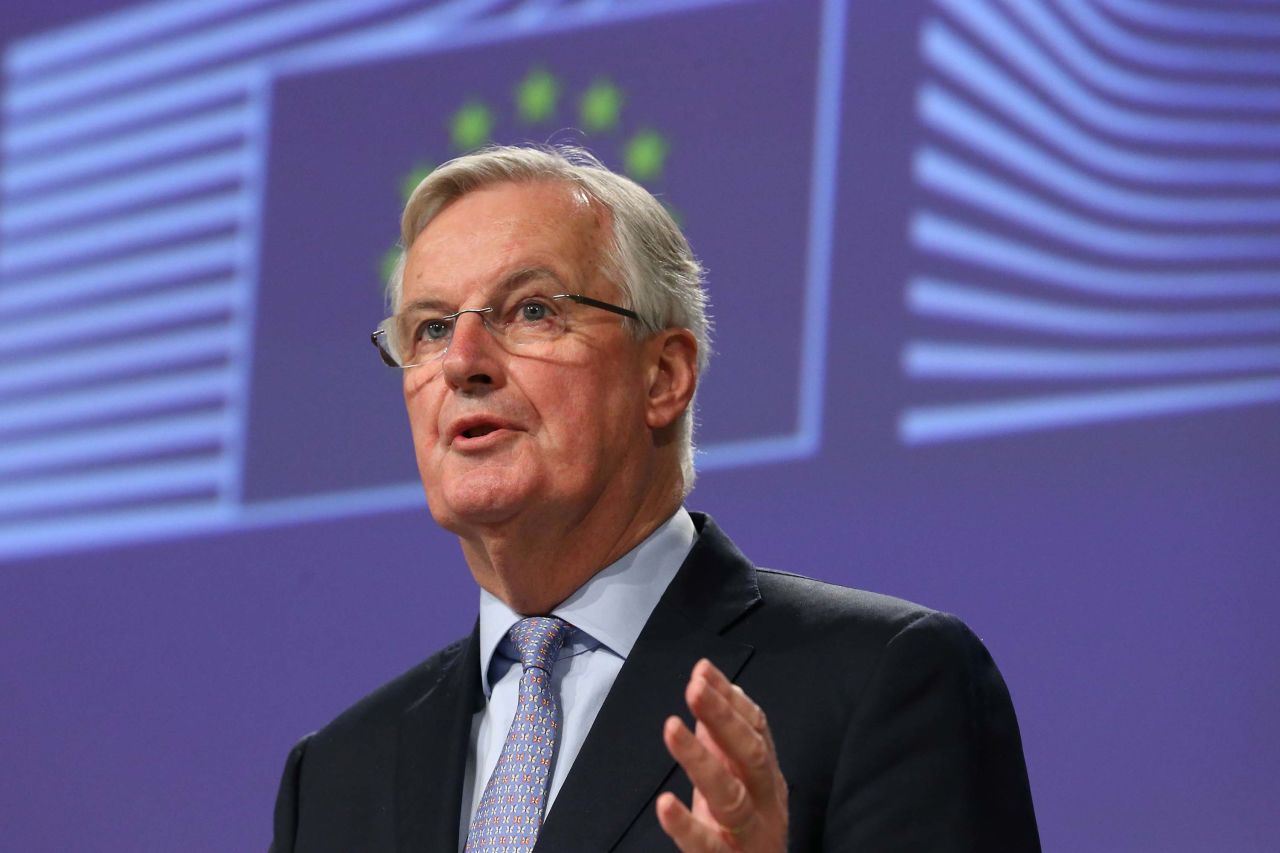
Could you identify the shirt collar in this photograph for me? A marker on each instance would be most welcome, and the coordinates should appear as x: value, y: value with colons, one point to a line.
x: 614, y: 604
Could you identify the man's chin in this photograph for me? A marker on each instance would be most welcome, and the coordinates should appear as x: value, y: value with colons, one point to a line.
x: 468, y: 505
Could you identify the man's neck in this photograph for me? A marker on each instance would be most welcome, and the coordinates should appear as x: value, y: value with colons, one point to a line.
x: 532, y: 565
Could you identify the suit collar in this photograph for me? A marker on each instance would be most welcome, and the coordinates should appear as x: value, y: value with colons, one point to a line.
x: 435, y: 734
x: 717, y: 583
x: 623, y: 762
x: 611, y: 608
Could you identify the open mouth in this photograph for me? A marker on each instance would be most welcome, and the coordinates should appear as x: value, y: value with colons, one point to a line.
x: 474, y: 429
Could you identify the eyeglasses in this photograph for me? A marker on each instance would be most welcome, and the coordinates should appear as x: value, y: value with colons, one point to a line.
x: 416, y: 336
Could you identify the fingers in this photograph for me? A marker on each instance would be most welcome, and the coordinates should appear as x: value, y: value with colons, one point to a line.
x: 725, y: 795
x: 717, y: 679
x: 740, y: 795
x: 738, y: 727
x: 689, y: 834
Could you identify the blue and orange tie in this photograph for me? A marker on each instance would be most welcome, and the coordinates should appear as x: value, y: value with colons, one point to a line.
x: 510, y: 811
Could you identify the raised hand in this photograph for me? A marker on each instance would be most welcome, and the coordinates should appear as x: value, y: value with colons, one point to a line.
x: 739, y: 795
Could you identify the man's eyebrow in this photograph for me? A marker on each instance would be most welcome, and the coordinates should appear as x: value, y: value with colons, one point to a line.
x: 509, y: 282
x: 437, y: 305
x: 521, y: 276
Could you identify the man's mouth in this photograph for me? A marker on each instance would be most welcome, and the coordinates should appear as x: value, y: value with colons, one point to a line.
x: 473, y: 429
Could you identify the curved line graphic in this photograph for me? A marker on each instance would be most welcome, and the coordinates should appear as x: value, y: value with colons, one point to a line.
x: 1168, y: 56
x: 956, y: 120
x: 1121, y: 82
x: 937, y: 298
x: 926, y: 424
x: 938, y: 360
x: 963, y: 182
x: 1008, y: 43
x: 936, y: 233
x: 953, y: 57
x: 1196, y: 22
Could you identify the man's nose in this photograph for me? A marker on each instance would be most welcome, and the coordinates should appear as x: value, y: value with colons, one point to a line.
x: 474, y: 357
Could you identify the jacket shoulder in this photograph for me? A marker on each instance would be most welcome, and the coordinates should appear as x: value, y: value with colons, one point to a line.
x: 386, y: 703
x: 339, y: 784
x: 842, y: 636
x: 819, y: 606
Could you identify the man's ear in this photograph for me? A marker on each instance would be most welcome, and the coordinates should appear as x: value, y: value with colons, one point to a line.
x: 672, y: 376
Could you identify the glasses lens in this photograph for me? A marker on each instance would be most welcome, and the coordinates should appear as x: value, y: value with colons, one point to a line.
x: 417, y: 336
x: 533, y: 321
x: 412, y: 338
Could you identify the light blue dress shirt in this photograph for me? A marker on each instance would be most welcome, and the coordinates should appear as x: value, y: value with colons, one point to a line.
x: 608, y: 611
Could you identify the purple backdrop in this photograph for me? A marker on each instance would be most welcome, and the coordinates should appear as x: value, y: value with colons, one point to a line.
x: 1119, y: 566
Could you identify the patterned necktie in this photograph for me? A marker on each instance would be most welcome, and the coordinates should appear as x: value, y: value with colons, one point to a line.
x: 510, y: 811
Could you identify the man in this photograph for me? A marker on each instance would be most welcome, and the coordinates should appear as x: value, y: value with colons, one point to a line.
x: 550, y: 325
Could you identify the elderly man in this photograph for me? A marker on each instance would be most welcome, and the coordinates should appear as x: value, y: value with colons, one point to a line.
x: 633, y: 683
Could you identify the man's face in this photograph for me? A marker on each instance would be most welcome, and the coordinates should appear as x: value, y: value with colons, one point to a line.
x: 502, y: 433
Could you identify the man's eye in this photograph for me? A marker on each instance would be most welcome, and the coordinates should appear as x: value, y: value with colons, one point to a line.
x: 433, y: 330
x: 532, y: 312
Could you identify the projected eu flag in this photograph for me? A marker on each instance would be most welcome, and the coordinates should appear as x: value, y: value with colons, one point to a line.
x: 217, y: 208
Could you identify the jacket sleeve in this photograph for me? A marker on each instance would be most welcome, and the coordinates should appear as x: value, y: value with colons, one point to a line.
x: 286, y: 813
x: 932, y: 759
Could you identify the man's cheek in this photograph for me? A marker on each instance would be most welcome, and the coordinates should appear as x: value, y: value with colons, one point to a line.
x: 580, y: 405
x: 423, y: 420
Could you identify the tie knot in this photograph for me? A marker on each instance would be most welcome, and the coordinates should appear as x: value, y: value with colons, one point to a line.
x: 538, y: 639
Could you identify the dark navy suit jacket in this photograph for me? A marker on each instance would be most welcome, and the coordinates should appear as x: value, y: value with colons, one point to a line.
x: 893, y: 727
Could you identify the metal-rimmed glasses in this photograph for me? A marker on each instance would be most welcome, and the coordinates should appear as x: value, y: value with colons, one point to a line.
x: 418, y: 336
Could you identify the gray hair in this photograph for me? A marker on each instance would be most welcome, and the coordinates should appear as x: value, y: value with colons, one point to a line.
x: 648, y: 257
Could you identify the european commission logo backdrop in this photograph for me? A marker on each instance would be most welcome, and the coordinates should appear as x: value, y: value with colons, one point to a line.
x: 199, y: 199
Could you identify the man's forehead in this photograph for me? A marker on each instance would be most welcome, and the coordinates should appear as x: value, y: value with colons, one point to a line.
x: 494, y: 236
x: 526, y: 201
x: 512, y: 283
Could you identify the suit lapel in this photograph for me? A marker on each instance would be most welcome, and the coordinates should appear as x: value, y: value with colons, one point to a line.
x: 435, y: 733
x: 623, y: 762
